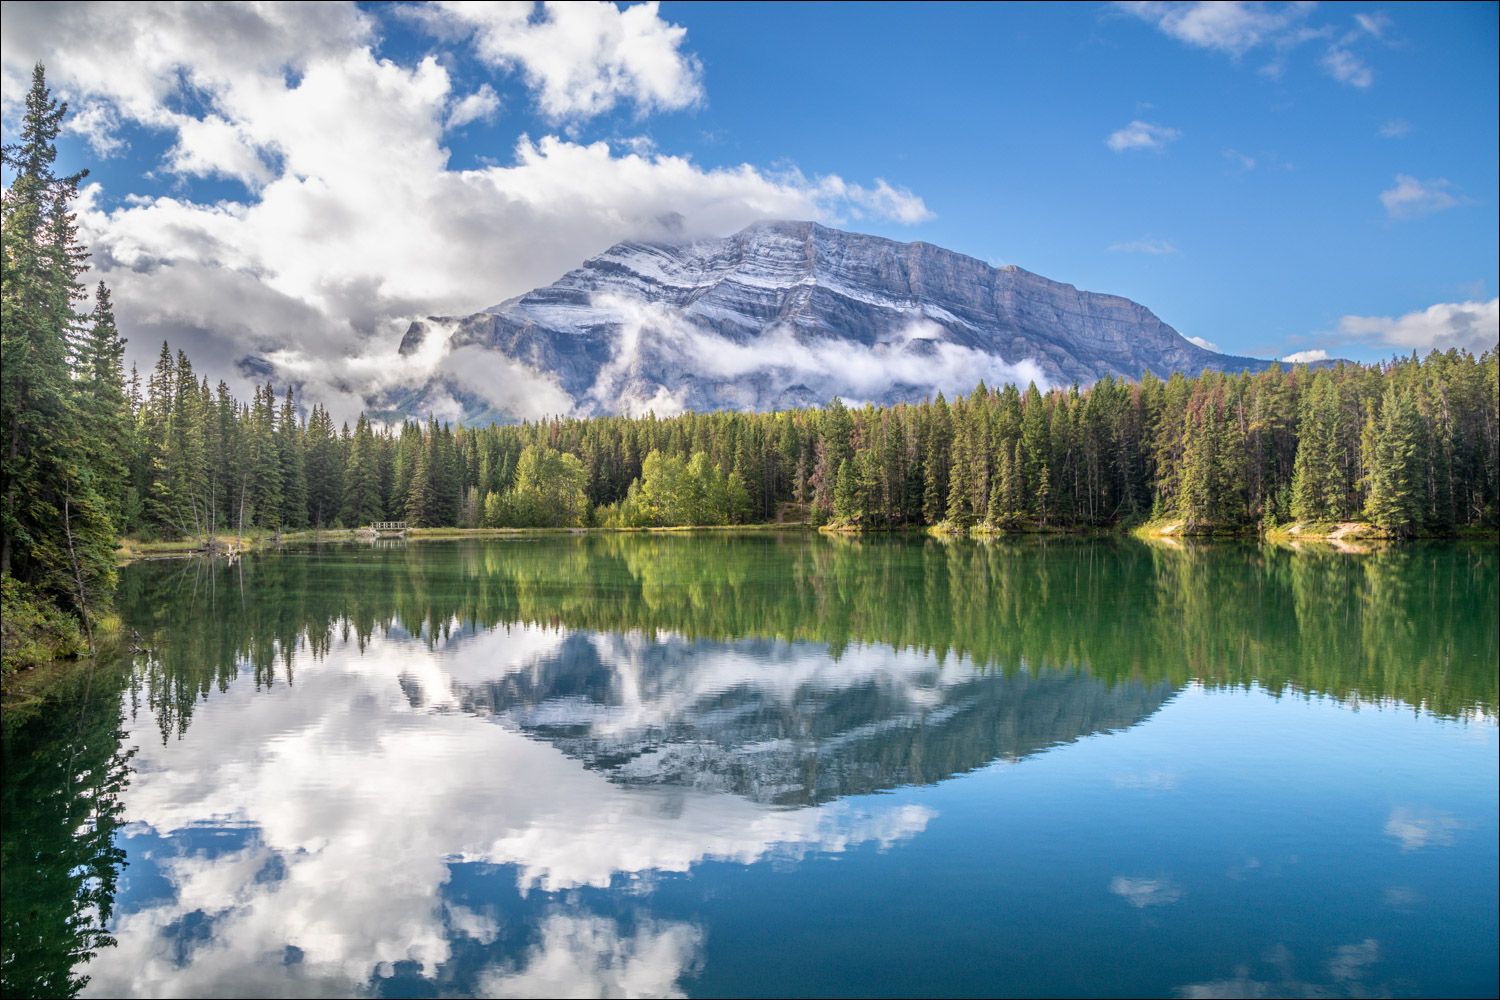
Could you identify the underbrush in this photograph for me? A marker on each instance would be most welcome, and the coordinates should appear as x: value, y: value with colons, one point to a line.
x: 33, y: 630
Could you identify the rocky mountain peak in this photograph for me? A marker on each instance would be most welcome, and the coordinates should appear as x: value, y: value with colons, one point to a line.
x: 787, y: 313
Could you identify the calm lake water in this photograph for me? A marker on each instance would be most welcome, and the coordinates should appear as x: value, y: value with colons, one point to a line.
x: 772, y: 764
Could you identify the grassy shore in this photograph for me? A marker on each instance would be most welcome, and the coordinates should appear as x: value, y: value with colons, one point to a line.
x: 42, y: 646
x: 132, y: 549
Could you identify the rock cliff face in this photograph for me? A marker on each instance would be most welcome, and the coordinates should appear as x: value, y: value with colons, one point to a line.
x: 788, y: 314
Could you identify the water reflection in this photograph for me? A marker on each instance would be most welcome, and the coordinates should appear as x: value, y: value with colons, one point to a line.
x: 1414, y: 624
x: 475, y: 769
x: 65, y: 772
x: 339, y: 808
x: 1344, y: 974
x: 777, y: 722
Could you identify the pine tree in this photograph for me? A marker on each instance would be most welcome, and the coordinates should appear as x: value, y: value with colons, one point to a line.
x: 419, y: 498
x: 324, y: 475
x: 1394, y: 490
x: 362, y: 503
x: 935, y: 462
x: 103, y: 409
x: 845, y: 495
x: 289, y: 450
x: 55, y: 530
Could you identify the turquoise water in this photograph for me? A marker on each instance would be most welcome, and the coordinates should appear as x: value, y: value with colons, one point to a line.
x: 740, y: 766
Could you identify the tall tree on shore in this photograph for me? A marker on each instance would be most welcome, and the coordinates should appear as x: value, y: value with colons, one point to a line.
x: 103, y: 409
x: 55, y: 527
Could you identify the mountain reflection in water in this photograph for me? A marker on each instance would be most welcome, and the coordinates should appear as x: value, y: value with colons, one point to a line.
x: 473, y: 768
x: 782, y: 723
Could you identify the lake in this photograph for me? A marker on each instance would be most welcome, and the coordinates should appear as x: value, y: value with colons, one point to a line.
x: 771, y: 763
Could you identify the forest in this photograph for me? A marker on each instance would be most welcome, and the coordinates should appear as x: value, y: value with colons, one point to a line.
x: 1409, y: 445
x: 92, y: 453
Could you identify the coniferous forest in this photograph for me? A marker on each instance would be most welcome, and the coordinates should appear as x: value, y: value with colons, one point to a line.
x: 91, y: 453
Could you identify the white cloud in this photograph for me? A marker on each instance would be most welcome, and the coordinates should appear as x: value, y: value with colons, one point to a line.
x: 921, y: 352
x: 1141, y: 135
x: 1346, y: 67
x: 1373, y: 24
x: 355, y: 221
x: 1346, y: 970
x: 584, y: 58
x: 479, y: 106
x: 1242, y: 160
x: 136, y: 58
x: 1465, y: 326
x: 99, y: 125
x: 1157, y: 780
x: 1412, y: 198
x: 1468, y: 326
x: 880, y: 202
x: 1148, y: 246
x: 1236, y: 28
x: 1396, y: 128
x: 1306, y: 357
x: 1207, y: 345
x: 1229, y: 27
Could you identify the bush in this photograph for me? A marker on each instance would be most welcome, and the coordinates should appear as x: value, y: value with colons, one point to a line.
x: 33, y: 630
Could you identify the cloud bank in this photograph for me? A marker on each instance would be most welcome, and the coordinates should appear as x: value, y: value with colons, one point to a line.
x: 1468, y: 326
x: 1465, y: 326
x: 352, y: 220
x: 655, y: 336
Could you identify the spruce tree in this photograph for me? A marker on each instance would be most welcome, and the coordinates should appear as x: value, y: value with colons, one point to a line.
x: 56, y: 518
x: 289, y: 449
x: 1394, y: 490
x: 105, y: 418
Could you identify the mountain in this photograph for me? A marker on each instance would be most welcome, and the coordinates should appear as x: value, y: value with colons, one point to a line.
x: 785, y: 314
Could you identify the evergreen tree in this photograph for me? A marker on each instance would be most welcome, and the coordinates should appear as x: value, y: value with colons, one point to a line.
x: 55, y: 525
x: 1394, y: 489
x: 105, y: 417
x: 289, y: 449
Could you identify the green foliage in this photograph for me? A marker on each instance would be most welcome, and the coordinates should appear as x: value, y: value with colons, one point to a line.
x: 61, y: 402
x: 33, y: 630
x: 548, y: 490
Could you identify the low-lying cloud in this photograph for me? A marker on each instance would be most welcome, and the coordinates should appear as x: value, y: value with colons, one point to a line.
x: 352, y: 220
x: 653, y: 337
x: 1468, y: 326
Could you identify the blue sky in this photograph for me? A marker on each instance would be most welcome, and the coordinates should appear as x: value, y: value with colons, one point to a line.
x: 299, y: 182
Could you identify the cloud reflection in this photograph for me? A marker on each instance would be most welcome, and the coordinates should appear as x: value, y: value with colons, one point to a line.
x: 361, y: 798
x: 1144, y: 892
x: 1346, y: 971
x: 588, y: 956
x: 1416, y: 828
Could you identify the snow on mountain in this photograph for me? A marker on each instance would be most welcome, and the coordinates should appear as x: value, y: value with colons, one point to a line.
x: 786, y: 314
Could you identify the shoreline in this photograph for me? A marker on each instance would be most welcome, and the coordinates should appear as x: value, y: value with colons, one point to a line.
x: 1346, y: 534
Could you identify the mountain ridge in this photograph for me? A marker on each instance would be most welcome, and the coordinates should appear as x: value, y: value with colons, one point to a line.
x: 786, y: 314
